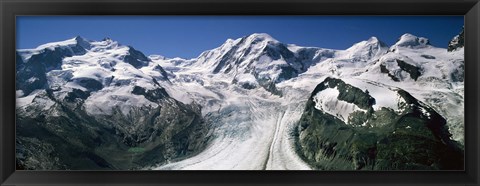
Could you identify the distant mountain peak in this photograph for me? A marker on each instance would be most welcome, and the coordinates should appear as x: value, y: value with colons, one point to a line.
x: 110, y: 41
x: 410, y: 40
x: 366, y: 50
x: 260, y: 37
x: 78, y: 38
x: 371, y: 42
x: 65, y: 43
x: 82, y: 42
x: 457, y: 42
x: 373, y: 39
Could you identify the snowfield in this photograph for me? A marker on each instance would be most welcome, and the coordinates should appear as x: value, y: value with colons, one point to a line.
x: 327, y: 101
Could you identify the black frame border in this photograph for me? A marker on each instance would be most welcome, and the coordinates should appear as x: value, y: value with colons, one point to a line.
x: 9, y: 9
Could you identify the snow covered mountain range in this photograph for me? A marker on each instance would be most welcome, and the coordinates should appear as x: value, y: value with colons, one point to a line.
x: 252, y: 103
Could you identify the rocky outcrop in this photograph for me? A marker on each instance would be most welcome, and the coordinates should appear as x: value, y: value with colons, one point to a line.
x: 414, y: 71
x: 413, y: 136
x: 66, y: 137
x: 457, y: 42
x: 136, y: 58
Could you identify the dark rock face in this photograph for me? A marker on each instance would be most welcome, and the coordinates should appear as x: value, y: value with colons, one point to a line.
x: 412, y: 70
x: 152, y: 95
x: 288, y: 72
x: 77, y: 93
x: 415, y: 138
x: 163, y: 72
x: 136, y: 58
x: 82, y: 43
x: 248, y: 86
x: 427, y: 56
x: 458, y: 75
x: 268, y: 85
x: 171, y: 131
x: 73, y: 139
x: 277, y: 51
x: 348, y: 93
x: 18, y: 61
x: 229, y: 59
x: 89, y: 83
x: 457, y: 42
x: 30, y: 76
x: 383, y: 69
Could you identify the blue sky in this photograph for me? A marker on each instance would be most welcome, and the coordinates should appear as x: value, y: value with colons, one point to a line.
x: 188, y: 36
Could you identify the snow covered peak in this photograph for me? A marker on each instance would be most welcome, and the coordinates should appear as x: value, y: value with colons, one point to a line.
x: 254, y: 41
x: 245, y: 49
x: 73, y: 46
x: 106, y: 42
x: 79, y: 38
x: 260, y: 37
x: 371, y: 43
x: 412, y: 41
x: 373, y: 39
x: 457, y: 42
x: 104, y: 74
x: 365, y: 50
x: 80, y: 41
x: 107, y: 39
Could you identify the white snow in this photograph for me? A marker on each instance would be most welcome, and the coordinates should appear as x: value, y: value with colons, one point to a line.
x: 411, y: 41
x: 385, y: 96
x: 37, y: 99
x: 252, y: 126
x: 247, y: 79
x: 22, y: 101
x: 27, y: 53
x: 363, y: 51
x: 327, y: 101
x: 425, y: 112
x: 19, y: 93
x: 252, y: 133
x: 57, y: 44
x: 104, y: 101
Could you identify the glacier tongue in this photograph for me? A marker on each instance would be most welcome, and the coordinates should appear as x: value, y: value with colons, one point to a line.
x: 252, y: 127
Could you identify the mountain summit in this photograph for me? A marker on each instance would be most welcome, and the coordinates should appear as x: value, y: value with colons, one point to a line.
x: 458, y: 41
x: 258, y: 57
x: 366, y: 50
x: 411, y: 41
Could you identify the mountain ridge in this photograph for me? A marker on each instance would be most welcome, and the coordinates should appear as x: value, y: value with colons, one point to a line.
x: 238, y: 103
